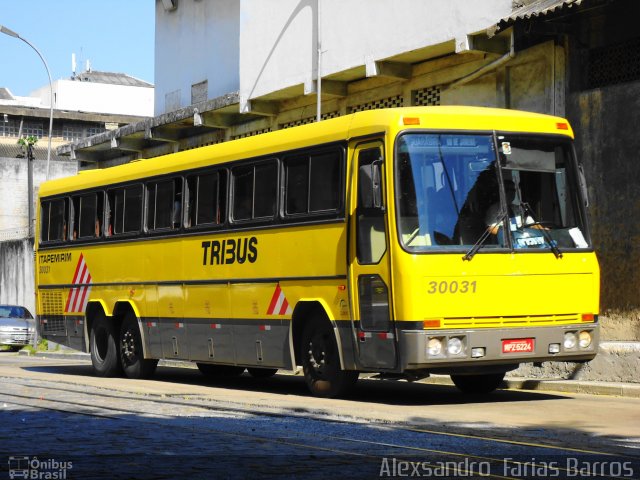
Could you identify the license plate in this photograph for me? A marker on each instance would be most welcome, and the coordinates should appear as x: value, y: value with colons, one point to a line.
x: 518, y: 345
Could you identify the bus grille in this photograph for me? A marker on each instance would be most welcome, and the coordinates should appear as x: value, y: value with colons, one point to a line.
x: 495, y: 322
x: 52, y: 312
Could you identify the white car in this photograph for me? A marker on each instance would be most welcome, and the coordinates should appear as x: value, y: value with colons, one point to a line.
x: 17, y: 327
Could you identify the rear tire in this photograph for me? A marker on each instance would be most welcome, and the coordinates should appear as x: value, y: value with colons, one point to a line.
x: 321, y: 361
x: 104, y: 347
x: 131, y: 353
x: 479, y: 384
x: 219, y: 371
x: 262, y: 372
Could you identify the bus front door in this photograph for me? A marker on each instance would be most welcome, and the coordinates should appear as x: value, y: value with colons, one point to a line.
x: 369, y: 272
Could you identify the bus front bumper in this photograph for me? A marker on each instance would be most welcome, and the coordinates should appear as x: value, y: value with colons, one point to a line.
x: 460, y: 350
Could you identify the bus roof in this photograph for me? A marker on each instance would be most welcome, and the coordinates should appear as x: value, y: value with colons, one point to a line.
x: 391, y: 120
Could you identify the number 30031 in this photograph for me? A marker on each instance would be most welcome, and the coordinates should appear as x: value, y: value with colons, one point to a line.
x: 453, y: 286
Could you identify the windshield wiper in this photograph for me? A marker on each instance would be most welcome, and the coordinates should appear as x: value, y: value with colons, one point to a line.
x: 502, y: 216
x: 545, y: 233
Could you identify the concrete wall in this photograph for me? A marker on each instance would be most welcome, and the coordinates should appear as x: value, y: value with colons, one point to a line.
x: 605, y: 121
x: 199, y: 41
x: 278, y: 45
x: 17, y: 273
x: 13, y: 188
x: 262, y: 46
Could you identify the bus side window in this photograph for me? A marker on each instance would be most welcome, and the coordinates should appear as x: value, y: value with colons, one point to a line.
x: 88, y: 220
x: 75, y: 218
x: 160, y: 205
x: 206, y: 199
x: 313, y: 183
x: 325, y: 182
x: 54, y: 215
x: 125, y: 209
x: 132, y: 208
x: 255, y: 189
x: 57, y: 225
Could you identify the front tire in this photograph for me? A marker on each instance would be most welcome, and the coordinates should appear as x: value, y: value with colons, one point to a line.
x: 321, y: 361
x: 131, y: 353
x: 104, y: 347
x: 479, y: 384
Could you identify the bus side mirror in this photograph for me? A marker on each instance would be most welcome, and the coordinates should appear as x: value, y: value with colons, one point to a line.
x: 370, y: 185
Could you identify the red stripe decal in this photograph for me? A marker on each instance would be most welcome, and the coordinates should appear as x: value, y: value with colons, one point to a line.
x: 274, y: 300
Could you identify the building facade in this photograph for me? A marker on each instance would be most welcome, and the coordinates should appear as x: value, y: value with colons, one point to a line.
x: 85, y: 105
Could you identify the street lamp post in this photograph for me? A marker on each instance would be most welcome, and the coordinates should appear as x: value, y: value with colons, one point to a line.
x: 11, y: 33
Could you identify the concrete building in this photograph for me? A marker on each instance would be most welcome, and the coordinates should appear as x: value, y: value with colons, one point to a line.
x: 85, y: 105
x: 232, y: 68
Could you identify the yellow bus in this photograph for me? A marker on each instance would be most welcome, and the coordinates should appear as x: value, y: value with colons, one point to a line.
x: 406, y: 242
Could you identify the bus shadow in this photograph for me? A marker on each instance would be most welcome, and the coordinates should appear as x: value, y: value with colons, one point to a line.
x: 387, y: 392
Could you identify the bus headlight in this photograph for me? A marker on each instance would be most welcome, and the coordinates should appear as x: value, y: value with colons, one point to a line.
x: 570, y: 340
x: 584, y: 339
x: 434, y: 347
x: 455, y: 346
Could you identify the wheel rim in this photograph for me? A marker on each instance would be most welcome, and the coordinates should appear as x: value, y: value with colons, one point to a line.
x: 317, y: 356
x: 128, y: 347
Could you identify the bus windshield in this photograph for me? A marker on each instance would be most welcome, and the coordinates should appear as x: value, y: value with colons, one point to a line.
x: 455, y: 190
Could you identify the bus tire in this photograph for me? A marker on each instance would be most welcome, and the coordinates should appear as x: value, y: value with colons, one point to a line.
x: 104, y: 347
x: 261, y: 372
x: 321, y: 361
x: 131, y: 353
x: 479, y: 384
x: 219, y: 371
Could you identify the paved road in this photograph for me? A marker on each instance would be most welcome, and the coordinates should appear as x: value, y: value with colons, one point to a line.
x: 59, y: 419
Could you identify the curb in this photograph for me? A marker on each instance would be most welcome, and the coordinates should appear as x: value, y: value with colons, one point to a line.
x: 629, y: 390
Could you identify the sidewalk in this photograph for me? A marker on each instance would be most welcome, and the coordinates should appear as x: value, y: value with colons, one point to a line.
x: 615, y: 371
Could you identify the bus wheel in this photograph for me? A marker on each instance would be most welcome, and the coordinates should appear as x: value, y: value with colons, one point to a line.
x: 131, y: 354
x: 478, y: 383
x: 321, y: 362
x: 219, y: 371
x: 262, y: 372
x: 104, y: 347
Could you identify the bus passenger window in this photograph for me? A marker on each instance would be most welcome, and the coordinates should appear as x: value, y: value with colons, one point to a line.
x: 125, y: 210
x: 313, y: 183
x: 54, y: 215
x: 255, y: 189
x: 297, y: 190
x: 75, y: 218
x: 265, y: 190
x: 205, y: 200
x: 160, y: 205
x: 133, y: 208
x: 324, y: 182
x: 88, y: 217
x: 242, y: 193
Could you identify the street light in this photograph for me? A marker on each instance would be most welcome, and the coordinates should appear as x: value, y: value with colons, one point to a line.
x: 11, y: 33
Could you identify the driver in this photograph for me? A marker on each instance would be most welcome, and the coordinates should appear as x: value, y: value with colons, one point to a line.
x: 494, y: 220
